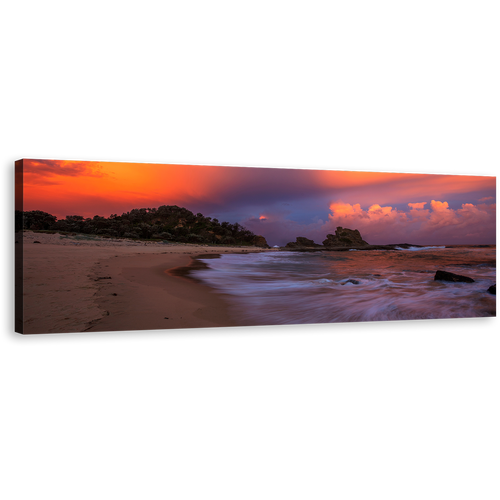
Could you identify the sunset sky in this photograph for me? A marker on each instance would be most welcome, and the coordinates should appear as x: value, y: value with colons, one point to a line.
x: 278, y: 203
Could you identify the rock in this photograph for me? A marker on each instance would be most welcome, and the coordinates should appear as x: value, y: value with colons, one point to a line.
x: 354, y: 282
x: 456, y: 278
x: 305, y: 242
x: 493, y: 289
x: 301, y: 242
x: 260, y: 241
x: 344, y: 238
x: 36, y: 241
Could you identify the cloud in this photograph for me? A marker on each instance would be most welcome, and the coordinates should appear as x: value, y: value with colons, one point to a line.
x: 384, y: 224
x: 47, y: 172
x: 486, y: 198
x: 440, y: 224
x: 278, y: 229
x: 417, y: 206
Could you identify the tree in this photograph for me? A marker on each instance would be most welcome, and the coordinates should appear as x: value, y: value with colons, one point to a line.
x: 167, y: 222
x: 36, y: 219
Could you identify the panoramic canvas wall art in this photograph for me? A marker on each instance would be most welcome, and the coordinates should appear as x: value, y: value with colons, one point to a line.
x: 103, y: 246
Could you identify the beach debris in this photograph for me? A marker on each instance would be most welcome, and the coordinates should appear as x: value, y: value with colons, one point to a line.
x: 456, y: 278
x: 493, y: 289
x: 36, y: 241
x: 115, y: 294
x: 166, y: 317
x: 103, y: 278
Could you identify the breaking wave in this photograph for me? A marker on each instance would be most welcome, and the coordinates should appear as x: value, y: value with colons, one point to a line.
x: 299, y: 288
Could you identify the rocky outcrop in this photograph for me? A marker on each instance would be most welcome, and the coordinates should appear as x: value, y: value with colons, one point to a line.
x: 493, y: 289
x: 260, y: 241
x: 301, y: 242
x: 344, y: 237
x: 305, y: 242
x: 456, y: 278
x: 354, y: 282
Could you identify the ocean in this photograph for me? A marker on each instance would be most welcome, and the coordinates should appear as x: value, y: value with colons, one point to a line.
x: 282, y: 287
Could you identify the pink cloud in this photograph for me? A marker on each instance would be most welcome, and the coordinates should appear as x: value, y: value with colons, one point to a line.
x: 417, y: 206
x: 439, y: 225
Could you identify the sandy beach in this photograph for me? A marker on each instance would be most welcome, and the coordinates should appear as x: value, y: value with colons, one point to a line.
x: 78, y: 284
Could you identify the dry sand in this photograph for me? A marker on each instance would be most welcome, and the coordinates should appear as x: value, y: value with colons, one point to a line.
x: 75, y: 284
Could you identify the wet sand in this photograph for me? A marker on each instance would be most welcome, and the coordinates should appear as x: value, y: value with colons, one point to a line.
x: 77, y: 285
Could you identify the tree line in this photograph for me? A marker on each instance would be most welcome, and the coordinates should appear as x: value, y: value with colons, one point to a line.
x: 170, y: 223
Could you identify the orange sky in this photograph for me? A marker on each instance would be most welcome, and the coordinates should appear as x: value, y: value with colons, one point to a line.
x: 102, y: 188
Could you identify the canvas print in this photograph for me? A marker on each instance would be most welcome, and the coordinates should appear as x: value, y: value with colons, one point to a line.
x: 103, y: 246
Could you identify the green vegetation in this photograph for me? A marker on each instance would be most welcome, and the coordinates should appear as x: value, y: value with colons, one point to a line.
x: 165, y: 223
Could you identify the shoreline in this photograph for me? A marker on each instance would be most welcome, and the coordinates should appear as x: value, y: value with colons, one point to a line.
x: 157, y: 293
x: 149, y: 296
x: 74, y: 285
x: 101, y: 286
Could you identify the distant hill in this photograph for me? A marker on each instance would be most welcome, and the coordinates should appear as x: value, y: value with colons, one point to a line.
x: 163, y: 223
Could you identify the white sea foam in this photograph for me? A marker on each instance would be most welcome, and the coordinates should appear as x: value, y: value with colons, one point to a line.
x: 296, y: 287
x: 415, y: 249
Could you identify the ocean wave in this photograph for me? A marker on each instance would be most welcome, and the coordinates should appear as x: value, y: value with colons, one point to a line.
x: 300, y: 288
x: 415, y: 249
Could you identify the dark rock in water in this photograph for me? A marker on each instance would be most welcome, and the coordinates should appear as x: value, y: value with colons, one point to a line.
x: 493, y: 289
x: 344, y: 238
x: 36, y: 241
x: 354, y: 282
x: 456, y: 278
